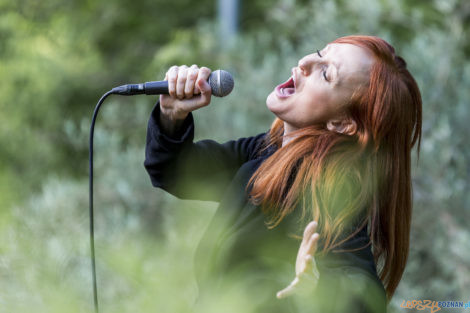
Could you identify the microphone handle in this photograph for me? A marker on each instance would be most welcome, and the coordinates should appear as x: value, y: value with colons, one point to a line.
x: 148, y: 88
x: 156, y: 88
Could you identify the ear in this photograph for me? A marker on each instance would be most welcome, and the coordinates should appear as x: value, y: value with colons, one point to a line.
x: 345, y: 125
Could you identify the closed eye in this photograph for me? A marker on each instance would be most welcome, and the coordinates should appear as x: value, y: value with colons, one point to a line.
x: 323, y: 71
x: 324, y: 75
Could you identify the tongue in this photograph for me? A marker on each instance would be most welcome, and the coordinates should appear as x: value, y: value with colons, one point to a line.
x: 288, y: 91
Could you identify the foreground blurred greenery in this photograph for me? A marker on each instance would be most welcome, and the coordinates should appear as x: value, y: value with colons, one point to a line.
x: 58, y: 57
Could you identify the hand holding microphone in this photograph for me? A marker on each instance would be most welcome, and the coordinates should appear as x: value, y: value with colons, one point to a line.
x: 188, y: 89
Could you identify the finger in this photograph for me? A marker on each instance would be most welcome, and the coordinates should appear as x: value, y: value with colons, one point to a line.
x: 191, y: 79
x: 312, y: 244
x: 306, y: 266
x: 285, y: 293
x: 204, y: 73
x: 202, y: 78
x: 289, y: 290
x: 182, y: 76
x: 204, y: 86
x: 172, y: 76
x: 309, y: 230
x: 197, y: 91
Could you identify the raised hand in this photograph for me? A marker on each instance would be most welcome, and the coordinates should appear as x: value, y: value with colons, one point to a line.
x: 188, y: 91
x: 307, y: 274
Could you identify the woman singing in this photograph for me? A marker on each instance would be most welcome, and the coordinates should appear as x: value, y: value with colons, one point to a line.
x: 333, y: 170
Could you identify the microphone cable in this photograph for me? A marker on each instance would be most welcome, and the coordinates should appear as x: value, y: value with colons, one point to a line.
x: 92, y: 233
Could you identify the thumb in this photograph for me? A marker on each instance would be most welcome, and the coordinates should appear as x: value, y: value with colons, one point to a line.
x: 206, y: 92
x: 204, y: 86
x: 289, y: 290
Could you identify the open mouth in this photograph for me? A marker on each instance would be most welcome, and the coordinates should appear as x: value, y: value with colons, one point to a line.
x: 286, y: 89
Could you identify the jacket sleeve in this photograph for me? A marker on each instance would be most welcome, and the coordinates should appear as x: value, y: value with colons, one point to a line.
x: 193, y: 170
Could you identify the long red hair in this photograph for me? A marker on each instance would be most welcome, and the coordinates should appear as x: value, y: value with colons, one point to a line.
x: 346, y: 181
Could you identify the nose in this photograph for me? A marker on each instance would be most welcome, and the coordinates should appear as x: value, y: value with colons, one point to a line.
x: 305, y: 64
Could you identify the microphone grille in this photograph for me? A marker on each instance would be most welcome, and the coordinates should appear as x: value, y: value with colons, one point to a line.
x: 221, y: 83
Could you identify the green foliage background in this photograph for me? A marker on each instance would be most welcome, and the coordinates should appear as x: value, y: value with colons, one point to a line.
x: 58, y: 57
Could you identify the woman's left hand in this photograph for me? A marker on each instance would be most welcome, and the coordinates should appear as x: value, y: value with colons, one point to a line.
x: 306, y: 270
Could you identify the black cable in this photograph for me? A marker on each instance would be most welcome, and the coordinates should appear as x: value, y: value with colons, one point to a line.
x: 92, y: 233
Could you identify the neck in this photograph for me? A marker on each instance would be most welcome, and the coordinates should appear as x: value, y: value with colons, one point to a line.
x: 287, y: 130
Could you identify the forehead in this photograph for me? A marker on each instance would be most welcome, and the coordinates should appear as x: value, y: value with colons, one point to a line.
x: 353, y: 62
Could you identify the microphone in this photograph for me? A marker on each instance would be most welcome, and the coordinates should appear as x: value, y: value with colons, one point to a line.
x: 221, y: 83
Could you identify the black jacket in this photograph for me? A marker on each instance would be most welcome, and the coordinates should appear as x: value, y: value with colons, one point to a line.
x: 237, y: 239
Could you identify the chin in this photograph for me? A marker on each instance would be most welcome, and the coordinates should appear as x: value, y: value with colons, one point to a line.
x: 274, y: 105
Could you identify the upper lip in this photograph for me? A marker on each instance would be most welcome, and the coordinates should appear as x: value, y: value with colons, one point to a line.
x: 294, y: 78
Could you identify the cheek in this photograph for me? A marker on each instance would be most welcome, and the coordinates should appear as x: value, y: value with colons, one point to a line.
x: 320, y: 105
x: 315, y: 92
x: 316, y: 99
